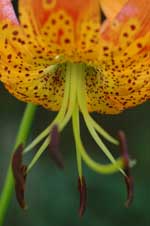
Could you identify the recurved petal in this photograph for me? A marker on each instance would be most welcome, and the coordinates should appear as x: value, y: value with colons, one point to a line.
x: 37, y: 85
x: 111, y: 8
x: 98, y: 98
x: 130, y: 23
x: 7, y: 11
x: 110, y: 91
x: 123, y: 79
x: 60, y: 23
x: 40, y: 12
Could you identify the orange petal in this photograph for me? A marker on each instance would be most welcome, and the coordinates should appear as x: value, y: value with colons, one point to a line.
x: 41, y: 11
x: 7, y: 11
x: 116, y: 88
x: 133, y: 20
x: 59, y: 22
x: 36, y: 85
x: 111, y: 8
x: 123, y: 80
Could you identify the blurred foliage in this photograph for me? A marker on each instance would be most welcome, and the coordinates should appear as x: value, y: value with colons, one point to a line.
x: 52, y: 195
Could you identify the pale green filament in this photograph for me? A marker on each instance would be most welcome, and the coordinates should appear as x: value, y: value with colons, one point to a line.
x: 99, y: 168
x: 38, y: 154
x: 81, y: 99
x: 65, y: 112
x: 79, y: 157
x: 59, y: 116
x: 63, y: 116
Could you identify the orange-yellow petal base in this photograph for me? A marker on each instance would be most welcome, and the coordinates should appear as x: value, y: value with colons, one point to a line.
x: 34, y: 53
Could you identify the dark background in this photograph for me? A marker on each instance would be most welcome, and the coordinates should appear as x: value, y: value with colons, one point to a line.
x: 52, y: 195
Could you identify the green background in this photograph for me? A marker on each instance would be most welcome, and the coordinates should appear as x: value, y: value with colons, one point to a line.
x: 52, y: 195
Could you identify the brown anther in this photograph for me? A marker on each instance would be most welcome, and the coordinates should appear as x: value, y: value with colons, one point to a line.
x: 19, y: 171
x: 83, y: 195
x: 128, y: 177
x: 54, y: 147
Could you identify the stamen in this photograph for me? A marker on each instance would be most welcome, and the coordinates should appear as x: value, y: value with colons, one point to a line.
x: 39, y: 153
x: 54, y: 147
x: 97, y: 167
x: 83, y: 195
x: 19, y: 172
x: 58, y: 118
x: 65, y: 112
x: 128, y: 177
x: 63, y: 116
x: 92, y: 127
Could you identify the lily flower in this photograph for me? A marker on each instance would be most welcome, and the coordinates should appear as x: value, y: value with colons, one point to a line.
x: 60, y: 55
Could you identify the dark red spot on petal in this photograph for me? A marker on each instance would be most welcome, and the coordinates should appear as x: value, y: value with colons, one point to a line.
x: 139, y: 45
x: 125, y: 34
x: 67, y: 40
x: 15, y: 32
x: 133, y: 27
x: 4, y: 26
x: 9, y: 56
x: 105, y: 48
x: 53, y: 21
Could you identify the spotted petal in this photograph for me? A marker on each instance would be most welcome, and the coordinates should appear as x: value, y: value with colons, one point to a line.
x: 123, y: 78
x: 62, y: 25
x: 50, y: 33
x: 118, y: 56
x: 132, y: 19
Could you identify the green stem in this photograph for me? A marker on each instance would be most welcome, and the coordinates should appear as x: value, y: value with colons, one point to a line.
x: 23, y: 132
